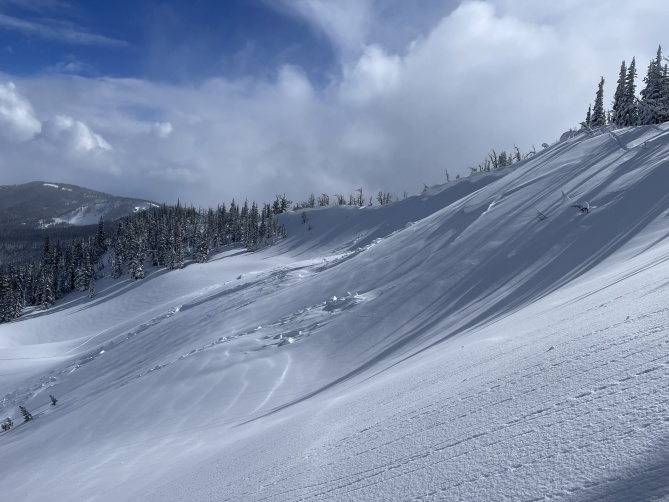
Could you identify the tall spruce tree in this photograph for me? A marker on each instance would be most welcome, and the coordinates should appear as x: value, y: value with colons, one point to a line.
x: 598, y: 115
x: 654, y: 105
x: 629, y: 112
x: 619, y: 96
x: 100, y: 242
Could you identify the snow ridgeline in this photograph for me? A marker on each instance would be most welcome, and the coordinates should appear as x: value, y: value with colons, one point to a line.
x: 452, y: 346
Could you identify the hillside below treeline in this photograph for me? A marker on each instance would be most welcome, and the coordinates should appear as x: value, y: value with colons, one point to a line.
x: 32, y: 211
x: 42, y: 205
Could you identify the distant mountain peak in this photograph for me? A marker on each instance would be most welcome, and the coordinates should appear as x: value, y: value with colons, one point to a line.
x: 41, y: 204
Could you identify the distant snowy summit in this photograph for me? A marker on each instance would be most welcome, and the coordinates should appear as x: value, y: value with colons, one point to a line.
x: 40, y: 204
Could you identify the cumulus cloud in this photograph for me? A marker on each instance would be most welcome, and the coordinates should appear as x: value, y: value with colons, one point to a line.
x: 484, y: 75
x: 74, y: 135
x: 375, y: 75
x: 37, y: 146
x: 17, y: 118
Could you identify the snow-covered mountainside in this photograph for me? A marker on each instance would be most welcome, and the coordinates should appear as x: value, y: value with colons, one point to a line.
x: 450, y: 346
x: 40, y: 205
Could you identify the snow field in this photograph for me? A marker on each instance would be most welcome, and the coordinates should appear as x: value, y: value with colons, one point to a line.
x: 451, y: 346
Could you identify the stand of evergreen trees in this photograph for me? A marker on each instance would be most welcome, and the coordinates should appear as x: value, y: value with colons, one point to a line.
x: 651, y: 106
x: 166, y: 236
x: 63, y: 268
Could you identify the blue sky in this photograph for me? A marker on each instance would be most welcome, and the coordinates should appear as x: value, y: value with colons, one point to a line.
x: 167, y: 41
x: 209, y: 100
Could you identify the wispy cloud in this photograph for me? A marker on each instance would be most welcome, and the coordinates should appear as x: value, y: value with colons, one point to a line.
x: 345, y: 23
x: 58, y: 30
x: 70, y: 64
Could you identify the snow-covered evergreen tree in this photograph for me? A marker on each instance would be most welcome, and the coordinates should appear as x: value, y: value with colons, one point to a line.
x: 252, y: 236
x: 654, y: 104
x: 5, y: 303
x: 84, y: 272
x: 619, y: 96
x: 588, y: 116
x: 26, y: 414
x: 100, y: 241
x: 598, y: 114
x: 7, y: 424
x: 628, y: 109
x: 202, y: 246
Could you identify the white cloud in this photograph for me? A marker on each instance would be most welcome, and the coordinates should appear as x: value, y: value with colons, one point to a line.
x: 17, y: 118
x: 60, y: 140
x: 69, y: 65
x: 375, y: 75
x: 345, y: 22
x: 61, y: 31
x: 485, y: 75
x: 74, y: 135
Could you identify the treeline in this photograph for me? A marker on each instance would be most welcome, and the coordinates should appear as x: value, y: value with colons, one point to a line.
x: 166, y: 236
x: 358, y: 199
x: 497, y: 161
x: 63, y: 268
x: 651, y: 106
x: 169, y: 236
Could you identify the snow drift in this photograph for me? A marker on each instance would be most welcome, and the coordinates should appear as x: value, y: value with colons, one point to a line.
x: 450, y: 346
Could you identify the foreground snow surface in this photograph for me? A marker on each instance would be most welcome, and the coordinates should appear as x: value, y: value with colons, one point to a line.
x: 450, y: 346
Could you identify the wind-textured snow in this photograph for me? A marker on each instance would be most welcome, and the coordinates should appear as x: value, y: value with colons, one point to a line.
x: 451, y: 346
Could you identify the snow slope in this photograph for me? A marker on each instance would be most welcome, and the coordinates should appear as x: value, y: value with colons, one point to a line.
x: 451, y: 346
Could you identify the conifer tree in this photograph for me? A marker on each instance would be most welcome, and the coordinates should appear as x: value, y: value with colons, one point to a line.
x: 115, y: 264
x: 619, y: 96
x: 244, y: 222
x: 54, y: 401
x: 45, y: 295
x: 360, y: 198
x: 654, y: 105
x: 177, y: 254
x: 252, y: 232
x: 588, y: 116
x: 7, y: 424
x: 629, y: 111
x: 26, y: 414
x: 5, y: 301
x: 100, y: 238
x: 598, y: 115
x: 202, y: 245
